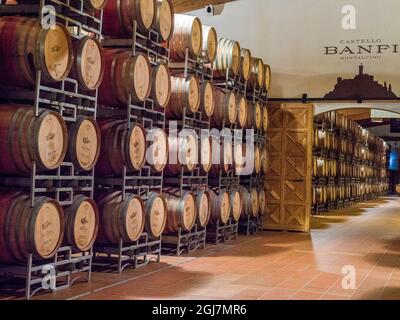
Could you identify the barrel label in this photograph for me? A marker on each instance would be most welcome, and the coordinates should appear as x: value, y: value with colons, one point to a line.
x: 84, y: 225
x: 91, y: 64
x: 157, y: 216
x: 51, y: 141
x: 134, y: 219
x: 57, y: 52
x: 86, y: 144
x: 47, y: 229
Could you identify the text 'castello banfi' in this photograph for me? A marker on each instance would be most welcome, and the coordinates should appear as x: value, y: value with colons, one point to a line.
x: 361, y: 86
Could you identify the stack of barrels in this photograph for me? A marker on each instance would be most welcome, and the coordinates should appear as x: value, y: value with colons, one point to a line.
x: 349, y: 162
x: 43, y: 141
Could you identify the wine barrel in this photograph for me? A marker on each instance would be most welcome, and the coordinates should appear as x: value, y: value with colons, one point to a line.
x: 88, y: 66
x: 245, y: 64
x: 185, y: 93
x: 205, y: 154
x: 156, y: 214
x: 207, y: 103
x: 262, y: 201
x: 222, y: 155
x: 250, y: 115
x: 95, y: 5
x: 81, y: 223
x: 203, y: 205
x: 188, y: 34
x: 264, y: 161
x: 267, y: 77
x: 37, y: 230
x: 183, y: 151
x: 118, y: 16
x: 242, y: 111
x: 120, y: 219
x: 264, y: 118
x: 164, y: 22
x: 124, y: 76
x: 89, y: 5
x: 220, y: 208
x: 398, y: 188
x: 157, y: 154
x: 257, y: 73
x: 161, y: 85
x: 84, y: 143
x: 26, y: 47
x: 210, y: 44
x: 228, y: 58
x: 257, y: 160
x: 250, y: 205
x: 120, y: 146
x: 236, y: 205
x: 257, y: 116
x: 226, y: 110
x: 25, y: 139
x: 239, y: 158
x: 181, y: 210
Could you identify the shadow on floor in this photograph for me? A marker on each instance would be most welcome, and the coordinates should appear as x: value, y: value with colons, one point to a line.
x: 389, y: 293
x: 390, y: 260
x: 324, y: 222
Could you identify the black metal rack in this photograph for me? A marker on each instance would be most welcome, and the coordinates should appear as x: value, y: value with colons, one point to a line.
x: 223, y: 233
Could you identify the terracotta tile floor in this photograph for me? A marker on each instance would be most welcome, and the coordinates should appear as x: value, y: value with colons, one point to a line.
x: 274, y: 265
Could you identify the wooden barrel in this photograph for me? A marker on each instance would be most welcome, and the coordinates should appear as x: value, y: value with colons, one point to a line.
x: 37, y: 230
x: 120, y: 219
x: 239, y: 158
x: 118, y: 16
x: 210, y: 44
x: 262, y: 201
x: 207, y: 103
x: 222, y: 155
x: 203, y: 206
x: 124, y: 76
x: 183, y: 151
x: 257, y: 73
x: 226, y: 109
x: 267, y: 77
x: 157, y: 153
x: 25, y: 139
x: 188, y: 34
x: 264, y: 118
x: 236, y: 205
x: 220, y: 207
x: 245, y: 64
x: 181, y: 210
x: 161, y: 85
x: 95, y: 4
x: 257, y: 116
x: 205, y: 154
x: 242, y: 111
x: 398, y: 188
x: 88, y: 5
x: 257, y: 160
x: 164, y: 22
x: 250, y: 205
x: 81, y: 223
x: 88, y: 66
x: 84, y: 143
x: 264, y: 161
x: 120, y: 147
x: 228, y: 58
x: 25, y: 47
x: 156, y: 214
x: 250, y: 115
x: 185, y: 93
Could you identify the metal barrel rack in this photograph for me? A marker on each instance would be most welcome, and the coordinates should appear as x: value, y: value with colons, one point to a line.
x: 141, y: 183
x: 70, y: 101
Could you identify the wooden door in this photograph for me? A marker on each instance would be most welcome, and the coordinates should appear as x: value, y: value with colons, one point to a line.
x: 289, y: 177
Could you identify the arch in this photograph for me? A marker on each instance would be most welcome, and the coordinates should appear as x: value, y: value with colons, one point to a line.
x: 320, y: 108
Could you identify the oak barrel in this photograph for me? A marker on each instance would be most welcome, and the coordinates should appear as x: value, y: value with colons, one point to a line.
x: 207, y: 103
x: 264, y: 161
x: 120, y: 219
x: 257, y: 73
x: 95, y: 4
x: 156, y: 214
x: 161, y: 85
x: 181, y: 210
x: 226, y: 108
x: 228, y: 58
x: 264, y: 118
x: 236, y: 205
x: 26, y: 47
x: 37, y: 230
x: 262, y: 201
x: 84, y: 143
x: 120, y: 146
x: 157, y: 149
x: 203, y: 206
x: 267, y: 77
x: 81, y: 223
x: 188, y: 34
x: 222, y: 155
x: 25, y: 139
x: 205, y: 154
x: 247, y: 200
x: 220, y: 207
x: 257, y: 116
x: 246, y: 66
x: 164, y: 22
x: 118, y: 16
x: 257, y: 160
x: 183, y: 152
x: 210, y: 44
x: 185, y: 93
x: 88, y: 66
x: 242, y: 111
x: 124, y: 76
